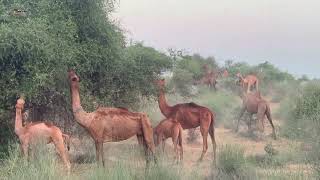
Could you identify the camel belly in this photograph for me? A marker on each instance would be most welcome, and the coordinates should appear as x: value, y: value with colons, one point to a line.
x: 121, y: 131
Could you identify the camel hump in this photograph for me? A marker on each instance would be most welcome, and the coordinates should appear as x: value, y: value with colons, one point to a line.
x: 193, y: 104
x: 49, y: 124
x: 123, y: 108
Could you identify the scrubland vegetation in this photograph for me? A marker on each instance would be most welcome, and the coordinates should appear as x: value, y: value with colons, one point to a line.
x: 37, y: 49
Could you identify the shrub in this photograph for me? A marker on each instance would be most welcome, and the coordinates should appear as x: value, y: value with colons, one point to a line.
x: 232, y: 164
x: 223, y: 104
x: 302, y: 119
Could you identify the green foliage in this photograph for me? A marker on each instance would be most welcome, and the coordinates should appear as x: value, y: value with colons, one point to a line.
x: 36, y: 51
x: 223, y: 104
x: 302, y: 119
x: 182, y: 80
x: 190, y: 68
x: 233, y: 164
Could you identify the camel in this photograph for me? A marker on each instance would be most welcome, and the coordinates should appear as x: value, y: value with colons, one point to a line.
x: 32, y: 133
x: 253, y: 103
x: 209, y: 79
x: 248, y: 82
x: 111, y: 124
x: 168, y: 128
x: 189, y: 115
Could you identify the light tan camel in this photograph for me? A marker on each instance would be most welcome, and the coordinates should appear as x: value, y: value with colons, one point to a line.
x: 168, y: 128
x: 253, y: 103
x: 248, y: 82
x: 189, y: 115
x: 39, y: 131
x: 111, y: 124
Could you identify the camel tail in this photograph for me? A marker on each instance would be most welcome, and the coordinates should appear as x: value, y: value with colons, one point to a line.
x: 66, y: 140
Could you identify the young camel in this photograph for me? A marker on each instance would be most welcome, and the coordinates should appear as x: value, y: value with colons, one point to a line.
x: 168, y: 128
x: 111, y: 124
x: 253, y: 103
x: 248, y: 82
x: 189, y: 115
x: 39, y: 131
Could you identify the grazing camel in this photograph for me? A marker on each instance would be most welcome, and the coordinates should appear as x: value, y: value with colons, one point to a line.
x: 111, y: 124
x: 39, y: 131
x: 168, y: 128
x: 209, y: 79
x: 189, y: 115
x: 248, y: 82
x: 253, y: 103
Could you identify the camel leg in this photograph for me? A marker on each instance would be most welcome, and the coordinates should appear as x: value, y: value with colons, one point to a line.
x: 99, y: 152
x: 25, y: 149
x: 163, y: 144
x: 240, y: 116
x: 180, y: 143
x: 214, y: 145
x: 249, y: 87
x: 148, y: 135
x: 268, y: 113
x: 260, y: 115
x: 250, y: 123
x: 58, y: 142
x: 204, y: 129
x: 175, y: 137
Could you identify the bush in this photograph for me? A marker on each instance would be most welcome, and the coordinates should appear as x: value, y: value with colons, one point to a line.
x: 223, y: 104
x: 302, y: 119
x: 232, y: 164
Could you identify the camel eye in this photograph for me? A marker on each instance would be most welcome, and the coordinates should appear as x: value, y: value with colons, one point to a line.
x: 74, y: 79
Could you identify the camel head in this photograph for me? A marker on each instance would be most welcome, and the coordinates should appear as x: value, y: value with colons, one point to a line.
x: 161, y: 83
x: 20, y: 103
x: 74, y: 79
x: 73, y: 76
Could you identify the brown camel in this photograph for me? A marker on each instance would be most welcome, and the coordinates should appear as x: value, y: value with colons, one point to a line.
x: 189, y: 115
x: 39, y: 131
x: 168, y: 128
x: 111, y: 124
x: 209, y: 79
x: 253, y: 103
x: 248, y: 82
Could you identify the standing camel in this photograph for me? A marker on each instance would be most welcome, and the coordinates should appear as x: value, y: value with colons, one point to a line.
x: 248, y: 82
x: 40, y: 131
x: 209, y: 79
x: 168, y: 128
x: 189, y: 115
x: 253, y: 103
x: 111, y: 124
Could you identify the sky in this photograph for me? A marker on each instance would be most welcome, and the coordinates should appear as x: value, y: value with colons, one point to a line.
x: 283, y: 32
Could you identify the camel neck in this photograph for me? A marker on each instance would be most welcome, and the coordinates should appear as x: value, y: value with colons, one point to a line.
x: 163, y: 105
x: 18, y: 122
x: 82, y: 117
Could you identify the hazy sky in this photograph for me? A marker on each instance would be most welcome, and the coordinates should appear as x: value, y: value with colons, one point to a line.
x: 284, y: 32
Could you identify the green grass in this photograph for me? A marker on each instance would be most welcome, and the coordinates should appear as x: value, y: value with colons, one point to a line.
x: 232, y: 164
x: 224, y: 103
